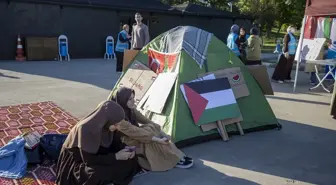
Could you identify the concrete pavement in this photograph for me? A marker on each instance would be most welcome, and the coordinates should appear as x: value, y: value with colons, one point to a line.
x: 303, y: 152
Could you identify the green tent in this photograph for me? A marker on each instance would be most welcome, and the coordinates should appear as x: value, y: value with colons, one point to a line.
x: 256, y: 111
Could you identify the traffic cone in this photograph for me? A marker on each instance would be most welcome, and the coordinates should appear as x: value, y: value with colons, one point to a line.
x: 19, y: 50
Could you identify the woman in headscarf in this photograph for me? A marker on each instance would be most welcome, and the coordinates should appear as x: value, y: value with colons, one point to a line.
x: 161, y: 155
x: 253, y: 54
x: 93, y: 155
x: 233, y: 41
x: 283, y: 70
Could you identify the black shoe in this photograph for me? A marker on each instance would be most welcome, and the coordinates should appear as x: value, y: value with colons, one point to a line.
x: 184, y: 164
x: 187, y: 158
x: 141, y: 172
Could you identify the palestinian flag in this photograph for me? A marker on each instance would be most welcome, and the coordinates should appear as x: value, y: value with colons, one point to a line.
x: 210, y: 100
x: 161, y: 62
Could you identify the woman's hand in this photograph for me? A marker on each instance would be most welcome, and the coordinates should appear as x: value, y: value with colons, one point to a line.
x: 163, y: 134
x: 124, y: 154
x: 287, y: 55
x: 163, y: 140
x: 168, y: 137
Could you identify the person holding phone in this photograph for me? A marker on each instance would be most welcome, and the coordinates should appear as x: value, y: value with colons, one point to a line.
x: 153, y: 147
x: 92, y: 154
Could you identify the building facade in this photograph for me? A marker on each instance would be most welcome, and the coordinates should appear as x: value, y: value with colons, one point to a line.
x: 88, y: 25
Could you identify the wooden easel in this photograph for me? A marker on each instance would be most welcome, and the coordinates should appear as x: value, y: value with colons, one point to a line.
x: 223, y: 132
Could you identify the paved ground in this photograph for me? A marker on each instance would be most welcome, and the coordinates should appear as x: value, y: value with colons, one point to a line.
x: 269, y: 56
x: 303, y: 152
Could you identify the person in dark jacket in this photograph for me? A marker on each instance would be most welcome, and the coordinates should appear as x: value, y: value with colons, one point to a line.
x: 243, y: 36
x: 122, y: 44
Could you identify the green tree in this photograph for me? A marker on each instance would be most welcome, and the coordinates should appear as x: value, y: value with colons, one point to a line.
x: 220, y: 4
x: 263, y: 11
x: 269, y: 12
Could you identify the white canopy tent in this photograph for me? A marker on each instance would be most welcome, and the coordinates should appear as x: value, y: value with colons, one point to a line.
x: 314, y: 8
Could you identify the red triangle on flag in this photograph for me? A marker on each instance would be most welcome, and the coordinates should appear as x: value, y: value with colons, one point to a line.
x: 196, y: 103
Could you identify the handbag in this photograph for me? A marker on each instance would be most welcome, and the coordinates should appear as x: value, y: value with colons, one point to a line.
x: 52, y: 145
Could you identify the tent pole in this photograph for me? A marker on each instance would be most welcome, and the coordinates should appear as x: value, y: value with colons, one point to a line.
x: 298, y: 51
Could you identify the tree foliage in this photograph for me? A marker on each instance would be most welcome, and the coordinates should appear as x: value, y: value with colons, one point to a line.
x: 268, y: 13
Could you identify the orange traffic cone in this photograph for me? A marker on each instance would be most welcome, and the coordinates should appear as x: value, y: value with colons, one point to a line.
x: 19, y: 50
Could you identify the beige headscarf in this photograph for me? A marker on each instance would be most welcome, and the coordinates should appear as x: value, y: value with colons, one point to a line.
x: 92, y: 132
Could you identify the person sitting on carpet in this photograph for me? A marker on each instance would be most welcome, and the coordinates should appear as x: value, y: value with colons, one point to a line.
x: 154, y: 156
x: 93, y: 155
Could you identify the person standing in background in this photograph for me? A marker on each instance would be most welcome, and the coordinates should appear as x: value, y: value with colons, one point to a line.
x: 253, y: 53
x: 233, y: 42
x: 140, y: 33
x: 283, y: 70
x: 243, y: 42
x: 122, y: 45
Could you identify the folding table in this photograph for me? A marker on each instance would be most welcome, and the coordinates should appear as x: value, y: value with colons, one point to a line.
x: 332, y: 66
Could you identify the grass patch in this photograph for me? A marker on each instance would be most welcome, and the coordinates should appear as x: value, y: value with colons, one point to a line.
x: 269, y: 42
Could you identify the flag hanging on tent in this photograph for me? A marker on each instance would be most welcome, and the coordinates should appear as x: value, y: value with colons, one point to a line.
x: 319, y: 30
x: 310, y: 28
x: 326, y: 27
x: 161, y: 62
x: 333, y: 33
x: 210, y: 100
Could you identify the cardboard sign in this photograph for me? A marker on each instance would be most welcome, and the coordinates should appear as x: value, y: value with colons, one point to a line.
x: 128, y: 57
x: 138, y: 77
x: 236, y: 79
x: 260, y: 74
x: 160, y: 91
x: 210, y: 126
x: 311, y: 49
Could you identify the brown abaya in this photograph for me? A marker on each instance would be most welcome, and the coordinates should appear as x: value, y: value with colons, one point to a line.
x: 151, y: 155
x: 284, y: 67
x: 88, y: 154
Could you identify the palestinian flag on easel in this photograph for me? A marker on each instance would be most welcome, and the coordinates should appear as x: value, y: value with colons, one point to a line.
x: 161, y: 62
x: 210, y: 100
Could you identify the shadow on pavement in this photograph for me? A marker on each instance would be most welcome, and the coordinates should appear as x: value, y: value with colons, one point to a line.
x: 298, y: 152
x: 297, y: 100
x: 8, y: 76
x: 199, y: 174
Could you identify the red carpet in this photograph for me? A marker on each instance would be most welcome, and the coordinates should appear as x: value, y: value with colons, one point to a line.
x: 45, y: 117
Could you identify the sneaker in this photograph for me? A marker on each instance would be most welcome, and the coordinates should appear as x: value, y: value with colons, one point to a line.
x: 280, y: 81
x: 184, y: 164
x: 290, y: 81
x: 188, y: 158
x: 141, y: 172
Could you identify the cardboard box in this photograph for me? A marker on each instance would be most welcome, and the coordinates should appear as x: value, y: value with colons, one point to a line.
x: 128, y: 57
x: 260, y: 74
x: 235, y: 78
x: 41, y: 48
